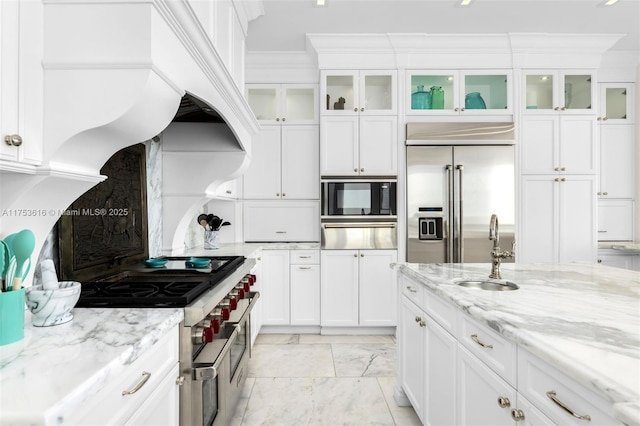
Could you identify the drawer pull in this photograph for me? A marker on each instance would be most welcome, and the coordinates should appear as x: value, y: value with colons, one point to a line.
x: 474, y: 337
x: 145, y: 378
x: 304, y: 257
x: 411, y: 289
x: 517, y: 415
x: 552, y: 396
x: 503, y: 402
x: 304, y: 267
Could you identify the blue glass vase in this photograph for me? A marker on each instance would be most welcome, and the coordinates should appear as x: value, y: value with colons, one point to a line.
x: 473, y: 100
x: 421, y: 99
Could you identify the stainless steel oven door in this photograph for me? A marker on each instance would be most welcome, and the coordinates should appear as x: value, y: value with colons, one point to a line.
x: 209, y: 380
x: 359, y: 235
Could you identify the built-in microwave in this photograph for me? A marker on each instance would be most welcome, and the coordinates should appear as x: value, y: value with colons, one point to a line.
x: 358, y: 198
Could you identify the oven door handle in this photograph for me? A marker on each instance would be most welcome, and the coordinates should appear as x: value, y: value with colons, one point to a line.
x: 360, y: 225
x: 202, y: 372
x: 254, y: 295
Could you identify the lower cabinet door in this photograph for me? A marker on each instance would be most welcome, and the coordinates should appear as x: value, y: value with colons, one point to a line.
x: 161, y: 407
x: 483, y: 397
x: 275, y: 285
x: 305, y: 294
x: 339, y: 288
x: 442, y: 349
x: 377, y: 288
x: 413, y: 338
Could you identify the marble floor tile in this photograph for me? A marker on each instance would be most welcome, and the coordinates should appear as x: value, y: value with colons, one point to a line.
x: 364, y: 360
x: 317, y: 338
x: 317, y: 401
x: 245, y: 394
x: 405, y: 416
x: 291, y: 361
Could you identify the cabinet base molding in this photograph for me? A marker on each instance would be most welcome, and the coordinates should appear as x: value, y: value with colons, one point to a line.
x: 358, y: 331
x: 290, y: 329
x: 400, y: 397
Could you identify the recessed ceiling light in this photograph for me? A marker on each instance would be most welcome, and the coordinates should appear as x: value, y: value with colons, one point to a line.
x: 320, y: 2
x: 468, y: 2
x: 610, y: 2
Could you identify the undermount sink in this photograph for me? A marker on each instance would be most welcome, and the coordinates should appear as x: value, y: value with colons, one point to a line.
x: 490, y: 285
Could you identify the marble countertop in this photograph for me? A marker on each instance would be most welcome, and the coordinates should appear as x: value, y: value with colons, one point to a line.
x: 60, y: 364
x: 584, y: 319
x: 243, y: 249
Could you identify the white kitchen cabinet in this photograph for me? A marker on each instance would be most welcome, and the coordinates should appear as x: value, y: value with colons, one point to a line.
x: 459, y: 92
x: 617, y: 161
x: 154, y: 403
x: 305, y: 287
x: 228, y: 190
x: 283, y: 104
x: 284, y: 164
x: 271, y: 221
x: 483, y: 397
x: 553, y: 144
x: 549, y: 389
x: 358, y: 288
x: 290, y: 287
x: 161, y: 407
x: 256, y: 312
x: 559, y: 218
x: 21, y: 84
x: 564, y: 92
x: 413, y: 371
x: 354, y: 92
x: 359, y: 145
x: 275, y: 287
x: 617, y: 104
x: 619, y: 259
x: 615, y: 220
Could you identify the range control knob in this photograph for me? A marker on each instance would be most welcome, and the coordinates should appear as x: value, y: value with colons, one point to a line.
x: 225, y: 309
x: 207, y: 335
x: 233, y: 300
x: 215, y: 325
x: 201, y: 335
x: 254, y: 278
x: 246, y: 285
x: 240, y: 290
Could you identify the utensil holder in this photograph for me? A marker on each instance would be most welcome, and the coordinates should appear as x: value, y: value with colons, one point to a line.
x: 11, y: 316
x: 211, y: 240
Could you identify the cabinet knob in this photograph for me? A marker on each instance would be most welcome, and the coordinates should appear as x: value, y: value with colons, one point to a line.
x: 418, y: 319
x: 557, y: 169
x: 605, y: 193
x: 228, y: 191
x: 456, y: 109
x: 361, y: 254
x: 563, y: 108
x: 517, y: 415
x: 599, y: 118
x: 605, y: 118
x: 361, y: 109
x: 284, y: 119
x: 461, y: 109
x: 362, y: 169
x: 562, y: 169
x: 13, y: 140
x: 355, y: 109
x: 599, y: 193
x: 557, y: 179
x: 284, y: 195
x: 277, y: 118
x: 503, y: 402
x: 556, y: 109
x: 180, y: 381
x: 563, y: 179
x: 355, y: 170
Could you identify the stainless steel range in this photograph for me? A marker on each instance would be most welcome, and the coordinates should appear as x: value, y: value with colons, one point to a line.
x: 215, y: 335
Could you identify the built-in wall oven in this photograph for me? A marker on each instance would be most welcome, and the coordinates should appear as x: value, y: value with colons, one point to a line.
x: 359, y: 213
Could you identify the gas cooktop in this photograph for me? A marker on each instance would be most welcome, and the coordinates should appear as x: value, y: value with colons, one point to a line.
x: 173, y: 285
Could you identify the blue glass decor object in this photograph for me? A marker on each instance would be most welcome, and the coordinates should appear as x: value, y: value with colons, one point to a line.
x: 421, y: 99
x: 473, y: 100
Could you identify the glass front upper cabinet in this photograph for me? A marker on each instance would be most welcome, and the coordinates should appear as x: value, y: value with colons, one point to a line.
x: 459, y: 92
x: 358, y: 92
x: 616, y: 103
x: 283, y: 103
x: 570, y: 91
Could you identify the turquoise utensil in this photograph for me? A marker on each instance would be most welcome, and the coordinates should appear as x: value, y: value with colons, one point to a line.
x: 23, y: 245
x: 3, y: 254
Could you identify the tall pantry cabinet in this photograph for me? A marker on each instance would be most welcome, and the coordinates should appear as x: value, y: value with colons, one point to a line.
x: 558, y: 166
x: 281, y: 187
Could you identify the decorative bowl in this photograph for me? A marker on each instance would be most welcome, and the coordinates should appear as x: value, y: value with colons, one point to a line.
x: 52, y: 307
x: 198, y: 262
x: 155, y: 262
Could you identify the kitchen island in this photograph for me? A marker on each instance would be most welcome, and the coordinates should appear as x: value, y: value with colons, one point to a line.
x: 62, y: 367
x: 581, y: 319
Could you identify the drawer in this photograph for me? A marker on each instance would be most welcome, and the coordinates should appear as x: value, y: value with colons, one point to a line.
x: 107, y: 404
x: 536, y: 378
x: 493, y: 349
x: 444, y: 312
x: 304, y: 257
x: 413, y: 291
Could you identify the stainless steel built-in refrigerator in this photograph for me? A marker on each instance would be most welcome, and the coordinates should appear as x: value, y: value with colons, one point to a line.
x: 453, y: 189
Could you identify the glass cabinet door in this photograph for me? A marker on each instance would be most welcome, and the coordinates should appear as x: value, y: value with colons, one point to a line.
x: 547, y: 91
x: 299, y: 104
x: 616, y: 103
x: 263, y: 100
x: 339, y: 92
x: 377, y: 92
x: 486, y: 92
x: 433, y: 92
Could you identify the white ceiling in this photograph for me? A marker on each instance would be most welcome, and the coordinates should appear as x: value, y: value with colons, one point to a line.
x: 285, y: 22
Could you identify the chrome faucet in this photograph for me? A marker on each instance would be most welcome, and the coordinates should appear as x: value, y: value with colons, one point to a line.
x: 496, y: 253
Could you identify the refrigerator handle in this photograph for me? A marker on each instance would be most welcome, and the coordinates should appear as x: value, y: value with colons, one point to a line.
x: 459, y: 235
x: 449, y: 239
